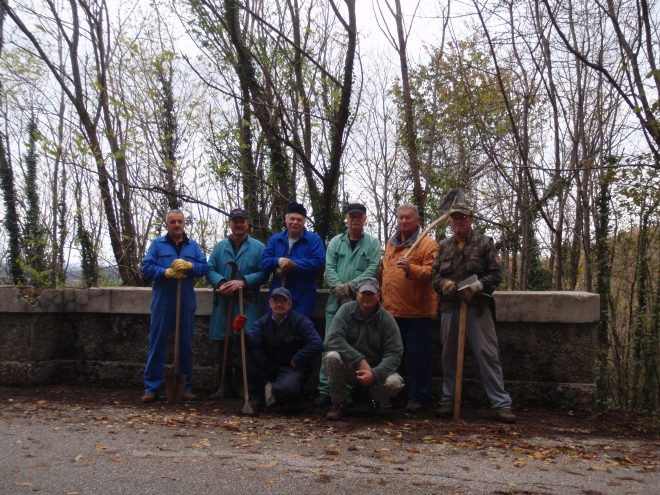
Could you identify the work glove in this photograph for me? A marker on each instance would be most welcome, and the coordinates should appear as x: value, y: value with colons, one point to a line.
x: 239, y: 323
x: 449, y: 288
x: 286, y: 265
x: 170, y: 273
x: 181, y: 265
x: 466, y: 294
x: 342, y: 293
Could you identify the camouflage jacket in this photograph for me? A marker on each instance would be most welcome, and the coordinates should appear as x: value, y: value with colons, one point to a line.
x: 478, y: 257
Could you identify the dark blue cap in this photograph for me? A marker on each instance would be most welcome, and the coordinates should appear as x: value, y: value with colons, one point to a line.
x: 295, y: 207
x: 237, y: 213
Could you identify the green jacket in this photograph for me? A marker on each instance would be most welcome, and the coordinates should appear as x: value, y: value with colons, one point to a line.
x: 376, y: 339
x: 343, y: 265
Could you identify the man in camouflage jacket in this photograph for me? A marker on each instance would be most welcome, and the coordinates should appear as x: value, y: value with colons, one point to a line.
x: 460, y: 256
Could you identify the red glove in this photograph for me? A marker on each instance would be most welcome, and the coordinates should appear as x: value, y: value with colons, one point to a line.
x: 293, y: 365
x: 239, y: 323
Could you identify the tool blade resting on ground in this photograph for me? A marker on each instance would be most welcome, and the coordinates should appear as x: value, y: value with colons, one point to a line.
x: 455, y: 196
x: 461, y: 346
x: 174, y: 382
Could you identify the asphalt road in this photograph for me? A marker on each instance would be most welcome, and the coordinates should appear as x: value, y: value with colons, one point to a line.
x: 72, y: 441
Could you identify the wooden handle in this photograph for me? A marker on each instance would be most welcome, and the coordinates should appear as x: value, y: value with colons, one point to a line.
x: 177, y: 327
x: 245, y: 382
x: 459, y: 360
x: 425, y: 233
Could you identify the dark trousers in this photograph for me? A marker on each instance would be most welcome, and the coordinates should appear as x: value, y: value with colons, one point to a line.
x: 416, y: 337
x: 287, y: 382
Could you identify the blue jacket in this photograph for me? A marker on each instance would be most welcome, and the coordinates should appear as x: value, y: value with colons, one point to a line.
x: 159, y: 258
x: 248, y: 258
x: 294, y: 339
x: 308, y: 255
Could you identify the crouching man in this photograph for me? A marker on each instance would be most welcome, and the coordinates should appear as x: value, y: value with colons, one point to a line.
x: 364, y: 347
x: 280, y: 348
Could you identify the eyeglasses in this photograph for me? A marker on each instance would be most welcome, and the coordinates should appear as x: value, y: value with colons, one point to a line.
x: 279, y: 301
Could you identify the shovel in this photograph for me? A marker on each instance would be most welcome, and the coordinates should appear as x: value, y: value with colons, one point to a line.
x: 461, y: 347
x: 246, y: 407
x: 455, y: 196
x: 174, y: 382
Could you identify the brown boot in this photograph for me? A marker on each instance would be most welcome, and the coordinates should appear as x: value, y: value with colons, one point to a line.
x: 149, y: 397
x: 337, y: 412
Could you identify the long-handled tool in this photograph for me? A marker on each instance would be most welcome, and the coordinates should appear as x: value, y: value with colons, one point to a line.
x: 462, y: 321
x: 226, y: 349
x: 174, y: 382
x: 455, y: 196
x: 246, y: 407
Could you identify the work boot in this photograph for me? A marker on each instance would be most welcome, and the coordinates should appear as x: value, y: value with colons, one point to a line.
x: 445, y: 411
x: 337, y: 412
x: 149, y: 397
x: 506, y: 415
x: 322, y: 400
x: 349, y: 400
x: 413, y: 406
x: 377, y: 409
x: 257, y: 404
x: 189, y: 396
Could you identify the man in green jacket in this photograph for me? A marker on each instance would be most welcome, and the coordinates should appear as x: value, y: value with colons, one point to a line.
x: 364, y: 347
x: 350, y: 257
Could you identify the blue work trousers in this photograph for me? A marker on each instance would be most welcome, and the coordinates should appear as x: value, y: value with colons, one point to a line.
x: 416, y: 338
x: 161, y: 324
x: 287, y: 382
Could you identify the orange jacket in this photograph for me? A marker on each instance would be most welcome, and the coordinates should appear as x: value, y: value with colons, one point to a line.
x: 411, y: 296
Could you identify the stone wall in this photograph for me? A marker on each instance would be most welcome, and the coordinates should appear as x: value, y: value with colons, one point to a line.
x: 99, y: 337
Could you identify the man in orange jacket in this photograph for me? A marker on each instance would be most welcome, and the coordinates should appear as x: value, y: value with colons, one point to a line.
x: 408, y: 295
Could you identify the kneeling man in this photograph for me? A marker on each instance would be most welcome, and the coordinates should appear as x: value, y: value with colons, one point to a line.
x: 364, y: 347
x: 280, y: 348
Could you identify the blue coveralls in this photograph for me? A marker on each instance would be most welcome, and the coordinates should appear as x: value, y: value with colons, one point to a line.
x: 159, y: 258
x: 309, y: 256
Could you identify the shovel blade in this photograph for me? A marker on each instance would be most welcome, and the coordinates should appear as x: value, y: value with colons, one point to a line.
x: 455, y: 196
x: 174, y: 387
x: 247, y: 410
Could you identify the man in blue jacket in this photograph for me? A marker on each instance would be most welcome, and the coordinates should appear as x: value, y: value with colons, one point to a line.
x: 280, y: 348
x: 296, y: 257
x: 170, y: 258
x: 246, y: 252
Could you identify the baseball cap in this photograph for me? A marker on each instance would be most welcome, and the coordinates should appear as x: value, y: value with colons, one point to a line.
x: 461, y: 208
x: 281, y: 291
x: 368, y: 284
x: 237, y: 213
x: 356, y: 207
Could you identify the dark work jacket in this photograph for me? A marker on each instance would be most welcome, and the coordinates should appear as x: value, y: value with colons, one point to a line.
x: 294, y: 339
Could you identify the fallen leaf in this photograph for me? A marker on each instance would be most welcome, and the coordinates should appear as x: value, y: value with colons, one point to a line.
x: 269, y: 465
x: 164, y: 476
x: 116, y: 459
x: 296, y: 456
x: 17, y: 470
x: 627, y: 461
x: 91, y: 462
x: 272, y: 480
x: 77, y: 458
x: 324, y: 478
x: 597, y: 468
x: 518, y: 464
x: 99, y: 446
x: 389, y: 459
x: 22, y: 483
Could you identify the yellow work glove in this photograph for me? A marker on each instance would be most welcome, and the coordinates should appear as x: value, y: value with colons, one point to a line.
x: 171, y: 273
x: 286, y: 265
x: 449, y: 288
x: 467, y: 293
x: 180, y: 265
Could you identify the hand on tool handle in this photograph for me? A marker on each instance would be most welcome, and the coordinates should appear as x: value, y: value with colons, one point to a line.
x: 239, y: 323
x: 181, y: 265
x: 171, y: 273
x: 286, y: 265
x: 449, y: 288
x: 468, y: 292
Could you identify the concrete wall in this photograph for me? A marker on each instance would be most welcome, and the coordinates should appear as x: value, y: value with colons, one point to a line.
x: 100, y: 337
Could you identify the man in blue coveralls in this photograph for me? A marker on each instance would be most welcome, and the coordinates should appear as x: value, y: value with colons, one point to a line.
x: 296, y: 256
x: 170, y: 258
x: 246, y: 252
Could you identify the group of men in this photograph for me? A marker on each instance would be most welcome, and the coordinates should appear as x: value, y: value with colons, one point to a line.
x: 378, y: 315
